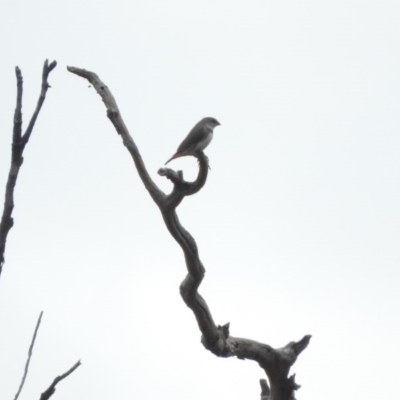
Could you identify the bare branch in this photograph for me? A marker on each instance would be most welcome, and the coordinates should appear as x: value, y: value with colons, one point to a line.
x: 119, y: 124
x: 183, y: 188
x: 275, y: 362
x: 18, y: 109
x: 18, y: 144
x: 29, y: 356
x: 52, y: 388
x: 45, y: 85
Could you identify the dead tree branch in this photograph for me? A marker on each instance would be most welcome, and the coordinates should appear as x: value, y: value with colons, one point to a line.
x: 19, y: 142
x: 52, y: 388
x: 275, y: 362
x: 29, y: 356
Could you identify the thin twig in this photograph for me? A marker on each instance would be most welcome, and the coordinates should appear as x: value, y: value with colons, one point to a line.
x: 45, y: 85
x: 52, y: 388
x: 29, y: 357
x: 18, y: 109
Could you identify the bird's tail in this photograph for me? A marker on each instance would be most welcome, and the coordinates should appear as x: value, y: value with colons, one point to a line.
x: 176, y: 155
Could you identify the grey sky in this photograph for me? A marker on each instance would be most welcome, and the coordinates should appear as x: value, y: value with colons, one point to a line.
x: 297, y: 226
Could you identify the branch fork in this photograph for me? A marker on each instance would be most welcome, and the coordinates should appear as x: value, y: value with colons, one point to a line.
x: 19, y: 141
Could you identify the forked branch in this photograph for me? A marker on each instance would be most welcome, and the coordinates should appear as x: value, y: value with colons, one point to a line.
x: 19, y: 142
x: 52, y: 388
x: 275, y: 362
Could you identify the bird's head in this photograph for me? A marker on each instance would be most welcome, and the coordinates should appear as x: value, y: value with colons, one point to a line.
x: 211, y: 122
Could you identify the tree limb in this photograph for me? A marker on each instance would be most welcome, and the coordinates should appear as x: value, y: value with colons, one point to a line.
x: 52, y: 388
x: 275, y: 362
x: 29, y: 356
x: 115, y: 117
x: 19, y: 142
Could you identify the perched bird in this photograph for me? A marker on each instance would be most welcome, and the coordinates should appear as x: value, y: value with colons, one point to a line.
x: 197, y: 139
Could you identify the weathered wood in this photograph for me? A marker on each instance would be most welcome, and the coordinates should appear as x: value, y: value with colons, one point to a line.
x: 19, y: 142
x: 275, y: 362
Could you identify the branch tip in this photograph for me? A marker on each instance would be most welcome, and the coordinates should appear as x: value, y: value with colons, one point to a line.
x: 299, y: 346
x: 30, y: 351
x: 52, y: 65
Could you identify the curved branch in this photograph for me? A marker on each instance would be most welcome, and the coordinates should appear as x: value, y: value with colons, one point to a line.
x: 19, y: 142
x: 275, y: 362
x: 183, y: 188
x: 115, y: 117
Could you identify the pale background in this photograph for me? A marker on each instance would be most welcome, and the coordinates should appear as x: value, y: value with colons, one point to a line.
x: 298, y: 225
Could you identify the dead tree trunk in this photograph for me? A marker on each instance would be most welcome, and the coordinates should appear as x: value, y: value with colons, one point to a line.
x: 275, y: 362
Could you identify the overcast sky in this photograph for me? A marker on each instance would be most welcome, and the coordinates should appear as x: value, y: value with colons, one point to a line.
x: 298, y: 225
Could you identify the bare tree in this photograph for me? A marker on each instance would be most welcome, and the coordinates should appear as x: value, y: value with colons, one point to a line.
x: 275, y: 362
x: 19, y: 141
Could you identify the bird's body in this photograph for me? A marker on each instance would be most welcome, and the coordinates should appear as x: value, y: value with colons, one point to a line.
x: 198, y: 138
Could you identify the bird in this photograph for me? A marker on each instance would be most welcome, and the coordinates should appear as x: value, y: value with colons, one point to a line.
x: 197, y: 139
